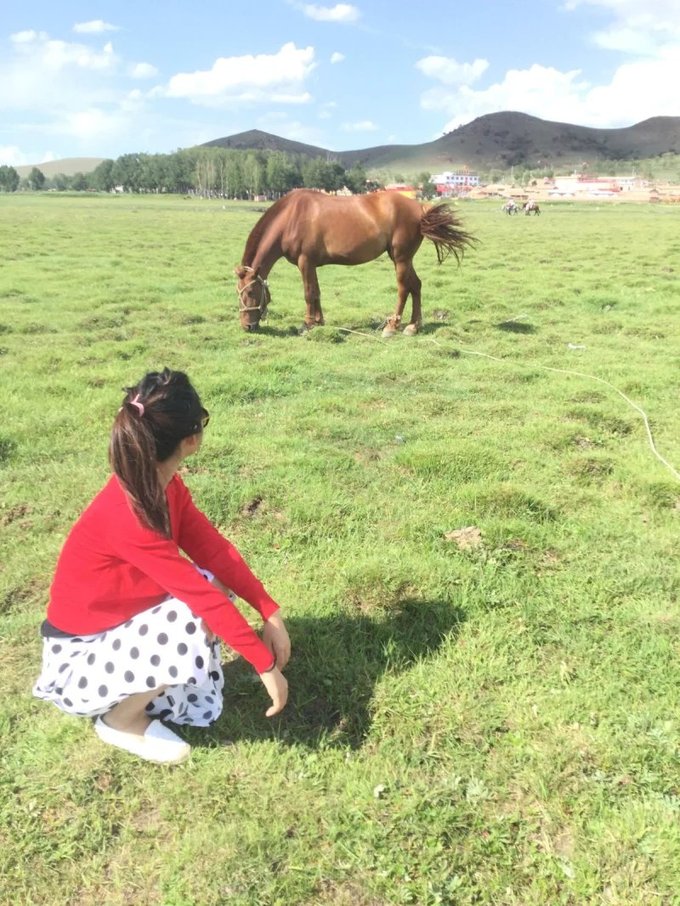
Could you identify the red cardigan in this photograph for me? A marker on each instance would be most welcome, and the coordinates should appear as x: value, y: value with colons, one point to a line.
x: 111, y: 567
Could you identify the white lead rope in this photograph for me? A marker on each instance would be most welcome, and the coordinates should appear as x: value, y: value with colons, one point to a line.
x: 589, y: 377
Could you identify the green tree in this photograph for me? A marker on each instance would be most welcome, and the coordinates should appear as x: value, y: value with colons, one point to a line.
x: 355, y: 179
x: 36, y: 179
x: 101, y: 178
x: 60, y: 182
x: 178, y: 173
x: 323, y: 174
x: 427, y: 188
x: 235, y: 184
x: 9, y: 179
x: 126, y: 172
x: 153, y: 172
x: 282, y: 173
x: 79, y: 182
x: 254, y: 173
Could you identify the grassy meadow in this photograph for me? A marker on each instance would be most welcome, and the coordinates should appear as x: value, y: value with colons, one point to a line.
x: 486, y: 716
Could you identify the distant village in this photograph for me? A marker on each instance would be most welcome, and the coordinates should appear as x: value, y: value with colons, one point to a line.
x: 579, y: 186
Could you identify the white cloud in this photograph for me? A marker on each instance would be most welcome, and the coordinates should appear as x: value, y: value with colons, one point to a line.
x: 450, y: 72
x: 281, y: 124
x: 646, y: 31
x: 337, y: 57
x: 11, y: 156
x: 86, y: 125
x: 638, y: 90
x: 28, y: 36
x: 143, y: 71
x: 626, y: 40
x: 43, y: 52
x: 359, y: 126
x: 72, y: 90
x: 539, y: 90
x: 275, y: 77
x: 95, y: 27
x: 638, y: 26
x: 566, y: 96
x: 327, y: 110
x: 341, y: 12
x: 49, y: 77
x: 133, y: 101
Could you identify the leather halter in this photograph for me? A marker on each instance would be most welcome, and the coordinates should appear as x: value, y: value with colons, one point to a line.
x: 265, y: 296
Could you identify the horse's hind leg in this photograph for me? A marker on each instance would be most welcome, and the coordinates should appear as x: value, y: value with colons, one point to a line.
x: 408, y: 283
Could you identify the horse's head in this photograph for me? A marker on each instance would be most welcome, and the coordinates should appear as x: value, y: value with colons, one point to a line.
x: 253, y: 297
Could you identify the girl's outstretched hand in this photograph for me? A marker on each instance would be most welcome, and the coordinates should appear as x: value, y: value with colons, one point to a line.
x: 276, y: 685
x: 275, y: 637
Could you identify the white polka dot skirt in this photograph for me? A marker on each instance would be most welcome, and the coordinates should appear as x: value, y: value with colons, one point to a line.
x: 164, y: 646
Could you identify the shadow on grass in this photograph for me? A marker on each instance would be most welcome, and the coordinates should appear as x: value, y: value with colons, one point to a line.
x: 516, y: 327
x: 336, y: 663
x: 430, y: 327
x: 266, y: 330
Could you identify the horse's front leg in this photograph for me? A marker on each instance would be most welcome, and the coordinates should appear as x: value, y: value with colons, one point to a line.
x: 408, y: 282
x: 313, y: 313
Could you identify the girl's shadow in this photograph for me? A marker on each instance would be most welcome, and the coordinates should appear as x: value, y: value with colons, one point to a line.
x: 337, y: 661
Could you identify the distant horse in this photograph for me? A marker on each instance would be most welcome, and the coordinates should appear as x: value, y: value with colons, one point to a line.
x: 510, y: 207
x: 310, y: 229
x: 531, y: 208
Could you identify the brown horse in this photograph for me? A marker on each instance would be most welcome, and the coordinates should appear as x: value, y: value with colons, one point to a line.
x: 310, y: 229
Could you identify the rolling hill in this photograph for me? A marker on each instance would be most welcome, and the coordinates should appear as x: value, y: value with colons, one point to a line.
x: 69, y: 166
x: 496, y: 140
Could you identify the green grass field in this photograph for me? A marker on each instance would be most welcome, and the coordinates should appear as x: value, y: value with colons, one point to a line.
x: 485, y: 718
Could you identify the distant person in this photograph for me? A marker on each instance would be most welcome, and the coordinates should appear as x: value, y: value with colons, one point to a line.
x: 133, y: 627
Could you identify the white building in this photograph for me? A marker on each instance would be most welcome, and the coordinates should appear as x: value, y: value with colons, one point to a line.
x: 450, y: 183
x: 581, y: 184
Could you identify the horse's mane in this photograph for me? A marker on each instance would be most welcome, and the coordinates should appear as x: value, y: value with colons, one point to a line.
x: 262, y: 226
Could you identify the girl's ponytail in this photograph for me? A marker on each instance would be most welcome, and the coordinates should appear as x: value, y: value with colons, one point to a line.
x: 155, y: 416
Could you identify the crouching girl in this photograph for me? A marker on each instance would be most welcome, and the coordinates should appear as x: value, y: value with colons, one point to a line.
x: 133, y: 628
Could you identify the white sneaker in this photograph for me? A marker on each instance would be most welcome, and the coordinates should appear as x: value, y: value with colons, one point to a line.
x: 159, y: 744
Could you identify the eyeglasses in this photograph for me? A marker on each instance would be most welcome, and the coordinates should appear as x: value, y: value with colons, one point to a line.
x: 205, y: 418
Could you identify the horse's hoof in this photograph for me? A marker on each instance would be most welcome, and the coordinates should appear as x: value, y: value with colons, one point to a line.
x: 389, y: 331
x: 410, y: 330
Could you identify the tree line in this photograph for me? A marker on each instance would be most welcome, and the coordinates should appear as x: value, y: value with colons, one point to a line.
x: 239, y: 174
x: 210, y: 172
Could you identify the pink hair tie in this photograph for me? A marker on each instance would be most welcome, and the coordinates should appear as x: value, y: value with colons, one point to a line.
x: 140, y: 406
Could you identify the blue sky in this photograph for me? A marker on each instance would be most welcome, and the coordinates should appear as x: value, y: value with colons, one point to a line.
x: 108, y: 78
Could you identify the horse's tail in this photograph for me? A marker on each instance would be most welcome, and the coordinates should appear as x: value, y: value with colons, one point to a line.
x: 440, y: 225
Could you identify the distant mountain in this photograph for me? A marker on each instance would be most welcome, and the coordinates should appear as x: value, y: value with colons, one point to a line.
x: 69, y: 166
x: 493, y: 141
x: 255, y: 139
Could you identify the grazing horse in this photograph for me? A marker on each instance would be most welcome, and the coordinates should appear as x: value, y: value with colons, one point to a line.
x: 531, y: 208
x: 510, y: 207
x: 310, y: 229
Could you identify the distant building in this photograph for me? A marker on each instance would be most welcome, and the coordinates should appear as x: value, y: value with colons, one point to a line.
x: 403, y: 188
x: 455, y: 183
x: 580, y: 184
